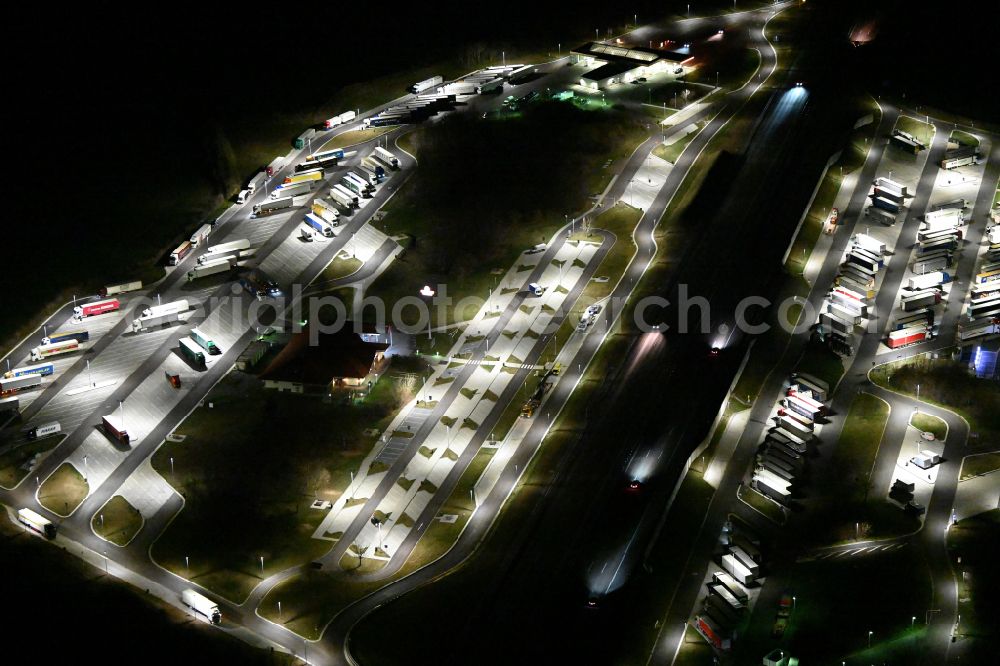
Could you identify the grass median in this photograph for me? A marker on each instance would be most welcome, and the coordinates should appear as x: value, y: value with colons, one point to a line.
x: 853, y: 508
x: 64, y: 490
x: 289, y: 450
x: 18, y: 463
x: 117, y: 521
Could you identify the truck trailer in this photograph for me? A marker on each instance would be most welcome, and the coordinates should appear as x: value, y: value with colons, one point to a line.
x: 386, y: 157
x: 319, y: 225
x: 215, y: 251
x: 96, y: 308
x: 274, y: 205
x: 886, y: 184
x: 9, y: 385
x: 293, y: 190
x: 194, y: 354
x: 928, y: 280
x: 932, y: 262
x: 344, y: 196
x: 202, y: 605
x: 114, y: 428
x: 886, y: 204
x: 920, y: 299
x: 866, y: 242
x: 426, y: 84
x: 907, y: 336
x: 63, y: 336
x: 200, y: 235
x: 181, y: 251
x: 213, y: 267
x: 146, y: 323
x: 275, y: 166
x: 56, y: 349
x: 37, y: 523
x: 205, y: 342
x: 115, y: 289
x: 326, y: 212
x: 44, y: 370
x: 333, y: 153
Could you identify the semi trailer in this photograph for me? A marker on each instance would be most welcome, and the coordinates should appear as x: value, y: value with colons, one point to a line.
x: 274, y: 205
x: 202, y: 605
x: 114, y: 289
x: 114, y: 428
x: 96, y: 308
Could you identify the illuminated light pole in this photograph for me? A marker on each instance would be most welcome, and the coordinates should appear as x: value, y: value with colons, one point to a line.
x: 171, y: 465
x: 279, y: 613
x: 261, y: 565
x: 429, y: 294
x: 870, y: 638
x: 187, y: 565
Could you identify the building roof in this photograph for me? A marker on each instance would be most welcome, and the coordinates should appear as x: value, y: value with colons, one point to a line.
x: 334, y: 356
x: 638, y: 55
x: 608, y: 70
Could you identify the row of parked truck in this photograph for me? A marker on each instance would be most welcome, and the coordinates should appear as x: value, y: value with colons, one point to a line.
x: 780, y: 460
x: 982, y: 315
x: 727, y: 601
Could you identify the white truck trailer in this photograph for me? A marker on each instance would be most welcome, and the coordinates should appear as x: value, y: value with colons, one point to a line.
x: 202, y: 605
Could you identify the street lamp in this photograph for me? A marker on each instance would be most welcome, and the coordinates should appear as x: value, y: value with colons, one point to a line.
x: 870, y: 638
x: 429, y: 294
x: 261, y: 565
x: 912, y: 620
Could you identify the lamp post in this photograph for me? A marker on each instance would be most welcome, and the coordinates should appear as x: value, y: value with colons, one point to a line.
x: 262, y: 565
x: 870, y: 638
x: 428, y: 293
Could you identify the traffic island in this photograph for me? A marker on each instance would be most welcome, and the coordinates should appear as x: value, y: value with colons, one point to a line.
x: 932, y: 424
x: 117, y: 521
x: 64, y: 490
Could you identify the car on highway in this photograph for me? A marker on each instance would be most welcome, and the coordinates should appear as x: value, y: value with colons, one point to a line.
x: 635, y: 485
x: 679, y: 70
x: 593, y: 310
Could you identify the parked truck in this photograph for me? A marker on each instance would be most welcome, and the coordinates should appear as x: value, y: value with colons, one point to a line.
x: 889, y: 194
x: 9, y: 385
x: 386, y: 157
x: 180, y: 252
x: 257, y: 182
x: 272, y: 206
x: 344, y: 196
x: 304, y: 138
x: 920, y: 299
x: 375, y: 173
x: 932, y: 262
x: 96, y: 308
x: 205, y: 342
x: 959, y: 157
x: 334, y: 153
x: 43, y: 370
x: 907, y: 336
x: 293, y: 190
x: 887, y: 184
x: 345, y: 117
x: 301, y: 177
x: 866, y: 242
x: 222, y: 249
x: 275, y: 166
x: 62, y: 336
x: 181, y: 305
x: 928, y: 280
x: 114, y: 428
x: 881, y: 216
x: 319, y: 225
x: 326, y: 212
x: 200, y: 235
x: 115, y: 289
x: 192, y: 353
x: 213, y: 267
x: 886, y: 204
x: 202, y: 605
x: 148, y: 322
x: 56, y: 349
x: 37, y: 523
x: 426, y: 84
x: 947, y: 218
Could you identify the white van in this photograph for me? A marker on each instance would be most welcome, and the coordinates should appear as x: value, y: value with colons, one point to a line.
x: 536, y: 289
x: 242, y: 197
